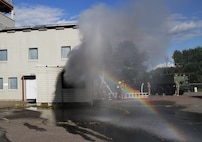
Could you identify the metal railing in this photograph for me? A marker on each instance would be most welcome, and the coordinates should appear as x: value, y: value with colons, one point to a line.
x: 128, y: 95
x: 137, y: 95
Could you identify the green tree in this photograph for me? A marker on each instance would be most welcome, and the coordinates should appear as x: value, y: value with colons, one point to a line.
x: 178, y: 58
x: 128, y: 62
x: 189, y: 61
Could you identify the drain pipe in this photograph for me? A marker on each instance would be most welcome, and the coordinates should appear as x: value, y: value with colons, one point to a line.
x: 23, y: 89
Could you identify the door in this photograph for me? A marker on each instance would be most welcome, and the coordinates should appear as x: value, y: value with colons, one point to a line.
x: 31, y: 90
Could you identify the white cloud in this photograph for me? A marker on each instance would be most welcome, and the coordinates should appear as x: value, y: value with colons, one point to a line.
x: 182, y: 28
x: 28, y: 15
x: 163, y: 65
x: 168, y: 62
x: 72, y: 19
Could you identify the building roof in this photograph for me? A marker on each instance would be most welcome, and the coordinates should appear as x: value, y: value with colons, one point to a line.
x: 6, y: 6
x: 39, y: 27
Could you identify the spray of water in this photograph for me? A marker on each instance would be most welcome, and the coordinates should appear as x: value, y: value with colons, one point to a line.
x: 104, y: 28
x: 139, y: 27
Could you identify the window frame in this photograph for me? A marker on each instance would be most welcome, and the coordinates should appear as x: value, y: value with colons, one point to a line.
x: 65, y: 54
x: 31, y: 57
x: 1, y: 83
x: 11, y: 86
x: 6, y: 58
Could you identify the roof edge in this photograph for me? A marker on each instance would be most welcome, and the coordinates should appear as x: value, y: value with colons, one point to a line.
x: 38, y: 27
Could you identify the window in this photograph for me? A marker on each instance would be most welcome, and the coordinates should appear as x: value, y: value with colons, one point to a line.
x: 3, y: 55
x: 65, y: 51
x: 12, y: 83
x: 33, y: 53
x: 1, y: 83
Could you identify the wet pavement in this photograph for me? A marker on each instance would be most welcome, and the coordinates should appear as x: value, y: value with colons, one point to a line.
x: 154, y: 119
x: 132, y: 120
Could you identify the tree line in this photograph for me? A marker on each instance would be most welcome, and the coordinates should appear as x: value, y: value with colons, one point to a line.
x: 189, y: 61
x: 128, y: 63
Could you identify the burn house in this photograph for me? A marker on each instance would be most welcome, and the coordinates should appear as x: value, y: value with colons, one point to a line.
x: 32, y: 59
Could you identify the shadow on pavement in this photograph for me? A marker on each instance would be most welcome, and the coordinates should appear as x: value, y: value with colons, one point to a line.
x: 199, y: 97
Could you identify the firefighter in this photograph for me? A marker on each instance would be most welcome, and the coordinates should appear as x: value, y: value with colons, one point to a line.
x: 177, y: 88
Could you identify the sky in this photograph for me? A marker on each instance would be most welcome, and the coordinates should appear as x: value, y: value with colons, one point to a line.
x: 183, y: 22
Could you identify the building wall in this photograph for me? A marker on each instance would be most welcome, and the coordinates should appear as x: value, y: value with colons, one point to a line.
x: 17, y: 42
x: 49, y: 84
x: 6, y: 22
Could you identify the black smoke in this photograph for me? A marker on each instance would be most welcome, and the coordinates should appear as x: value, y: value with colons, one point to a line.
x: 116, y: 39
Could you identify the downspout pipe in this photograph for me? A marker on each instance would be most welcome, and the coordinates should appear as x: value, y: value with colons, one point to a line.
x: 23, y: 88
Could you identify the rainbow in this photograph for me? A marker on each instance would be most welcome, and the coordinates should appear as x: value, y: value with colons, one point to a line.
x: 170, y: 129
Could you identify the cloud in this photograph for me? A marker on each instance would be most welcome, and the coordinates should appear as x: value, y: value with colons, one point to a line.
x: 183, y: 28
x: 72, y: 19
x: 29, y: 15
x: 164, y: 65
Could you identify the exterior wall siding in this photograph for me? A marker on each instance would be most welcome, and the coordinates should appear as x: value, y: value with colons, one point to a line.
x: 17, y: 43
x: 49, y: 84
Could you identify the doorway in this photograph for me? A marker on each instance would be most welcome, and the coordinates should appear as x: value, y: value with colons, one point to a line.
x: 30, y: 88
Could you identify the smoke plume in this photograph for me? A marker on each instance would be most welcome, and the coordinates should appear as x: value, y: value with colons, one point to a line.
x: 104, y: 28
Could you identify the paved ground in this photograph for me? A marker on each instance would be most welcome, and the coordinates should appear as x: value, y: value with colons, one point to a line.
x: 7, y: 104
x: 19, y: 125
x: 190, y: 100
x: 28, y: 126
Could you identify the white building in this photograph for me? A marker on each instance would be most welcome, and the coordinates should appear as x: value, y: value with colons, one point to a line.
x: 32, y: 58
x: 25, y: 51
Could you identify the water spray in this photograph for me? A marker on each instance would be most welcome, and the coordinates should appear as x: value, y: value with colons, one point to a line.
x: 103, y: 81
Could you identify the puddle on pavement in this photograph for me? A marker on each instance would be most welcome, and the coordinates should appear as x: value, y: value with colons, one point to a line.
x: 57, y: 115
x: 46, y: 113
x: 54, y: 116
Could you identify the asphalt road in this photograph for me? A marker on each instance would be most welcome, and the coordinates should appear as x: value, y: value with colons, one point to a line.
x: 132, y: 120
x: 154, y: 119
